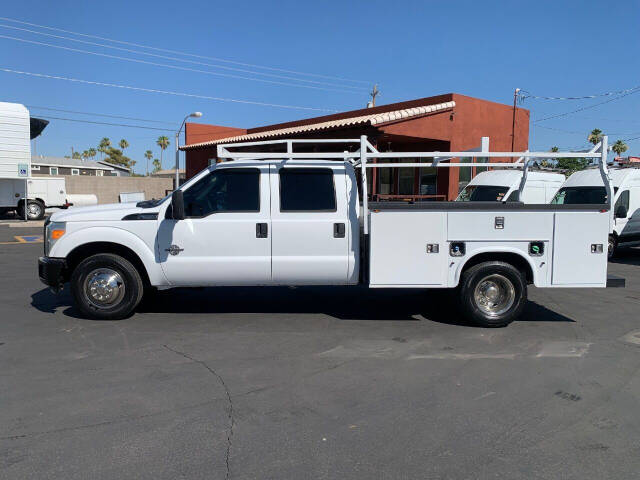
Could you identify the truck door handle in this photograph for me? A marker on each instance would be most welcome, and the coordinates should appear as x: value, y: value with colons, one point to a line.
x: 262, y: 230
x: 338, y: 230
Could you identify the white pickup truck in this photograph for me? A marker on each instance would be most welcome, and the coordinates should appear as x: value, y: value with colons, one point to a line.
x: 296, y: 219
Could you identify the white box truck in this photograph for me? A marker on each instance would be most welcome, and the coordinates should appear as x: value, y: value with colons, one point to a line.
x: 300, y: 219
x: 585, y: 187
x: 17, y: 128
x: 504, y: 185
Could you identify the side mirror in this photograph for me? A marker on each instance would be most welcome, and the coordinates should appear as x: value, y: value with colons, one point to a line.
x: 621, y: 212
x: 177, y: 205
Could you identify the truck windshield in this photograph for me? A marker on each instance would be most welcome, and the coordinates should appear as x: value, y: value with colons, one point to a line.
x: 580, y: 195
x: 482, y: 193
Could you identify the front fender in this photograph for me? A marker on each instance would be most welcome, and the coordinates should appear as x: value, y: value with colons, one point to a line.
x: 72, y: 240
x: 472, y: 252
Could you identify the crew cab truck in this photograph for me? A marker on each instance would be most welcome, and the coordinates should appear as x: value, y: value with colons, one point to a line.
x: 585, y: 187
x: 298, y: 219
x: 504, y: 185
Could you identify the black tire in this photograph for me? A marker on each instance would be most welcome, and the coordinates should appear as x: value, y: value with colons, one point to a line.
x: 485, y: 279
x: 130, y: 286
x: 35, y: 210
x: 612, y: 247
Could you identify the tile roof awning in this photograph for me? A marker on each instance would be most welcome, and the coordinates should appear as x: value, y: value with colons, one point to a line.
x: 373, y: 120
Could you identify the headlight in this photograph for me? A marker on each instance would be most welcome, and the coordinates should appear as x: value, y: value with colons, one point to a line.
x: 52, y: 233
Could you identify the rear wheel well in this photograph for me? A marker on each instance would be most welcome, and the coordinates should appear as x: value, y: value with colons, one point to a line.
x: 514, y: 259
x: 84, y: 251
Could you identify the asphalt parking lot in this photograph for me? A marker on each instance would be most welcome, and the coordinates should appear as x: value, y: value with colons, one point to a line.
x: 331, y: 383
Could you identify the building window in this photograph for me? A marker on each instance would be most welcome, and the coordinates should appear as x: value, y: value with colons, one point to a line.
x: 53, y: 170
x: 464, y: 173
x: 406, y: 178
x: 75, y: 171
x: 307, y: 190
x: 428, y: 180
x: 99, y: 173
x: 35, y: 167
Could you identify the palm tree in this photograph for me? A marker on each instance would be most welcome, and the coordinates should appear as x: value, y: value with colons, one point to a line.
x: 148, y: 155
x: 123, y: 144
x: 92, y: 152
x: 555, y: 149
x: 595, y: 136
x: 619, y: 147
x: 157, y: 165
x: 85, y: 154
x: 163, y: 143
x: 76, y: 155
x: 103, y: 145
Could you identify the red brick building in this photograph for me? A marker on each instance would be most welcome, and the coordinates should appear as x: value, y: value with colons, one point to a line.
x: 449, y: 122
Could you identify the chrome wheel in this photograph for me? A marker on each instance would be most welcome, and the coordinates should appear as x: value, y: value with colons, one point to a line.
x: 104, y: 288
x: 34, y: 210
x: 494, y: 295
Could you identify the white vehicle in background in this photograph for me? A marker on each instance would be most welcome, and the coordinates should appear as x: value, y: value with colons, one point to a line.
x: 294, y: 218
x: 503, y: 186
x: 43, y: 193
x: 17, y: 129
x: 585, y: 187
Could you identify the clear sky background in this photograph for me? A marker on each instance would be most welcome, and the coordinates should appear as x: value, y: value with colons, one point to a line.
x: 411, y: 49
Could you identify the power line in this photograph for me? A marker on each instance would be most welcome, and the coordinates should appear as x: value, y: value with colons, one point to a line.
x: 110, y: 124
x: 183, y: 53
x: 175, y: 67
x: 97, y: 114
x: 525, y: 94
x: 165, y: 92
x: 356, y: 89
x: 587, y: 107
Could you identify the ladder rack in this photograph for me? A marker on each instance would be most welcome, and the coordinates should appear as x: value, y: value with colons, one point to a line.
x: 360, y: 158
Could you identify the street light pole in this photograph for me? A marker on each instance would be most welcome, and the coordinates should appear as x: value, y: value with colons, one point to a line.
x: 196, y: 115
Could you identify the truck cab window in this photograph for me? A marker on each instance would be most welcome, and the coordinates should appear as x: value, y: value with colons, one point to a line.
x: 623, y: 200
x: 224, y: 190
x: 307, y: 190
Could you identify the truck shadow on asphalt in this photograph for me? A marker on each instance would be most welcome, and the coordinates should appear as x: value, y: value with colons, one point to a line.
x: 342, y: 303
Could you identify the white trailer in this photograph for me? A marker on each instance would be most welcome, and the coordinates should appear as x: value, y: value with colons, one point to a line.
x: 296, y: 218
x: 504, y: 185
x: 16, y: 184
x: 585, y: 186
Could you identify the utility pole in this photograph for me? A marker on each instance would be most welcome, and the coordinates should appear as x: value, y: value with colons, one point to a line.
x: 374, y: 93
x: 513, y: 124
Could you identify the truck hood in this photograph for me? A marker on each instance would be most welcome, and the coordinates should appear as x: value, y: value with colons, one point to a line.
x: 108, y: 212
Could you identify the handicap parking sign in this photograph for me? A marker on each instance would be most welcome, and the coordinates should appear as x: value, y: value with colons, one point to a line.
x: 23, y: 170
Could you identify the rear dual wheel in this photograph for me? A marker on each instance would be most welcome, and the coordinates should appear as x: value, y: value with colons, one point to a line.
x: 35, y: 210
x: 493, y: 293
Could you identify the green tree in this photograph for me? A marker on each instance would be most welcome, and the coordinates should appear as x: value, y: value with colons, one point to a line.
x: 85, y: 154
x: 123, y: 144
x: 76, y: 155
x: 570, y: 165
x: 157, y: 165
x: 103, y: 145
x: 115, y: 156
x: 595, y: 136
x: 148, y: 155
x: 619, y: 147
x: 92, y: 153
x: 163, y: 143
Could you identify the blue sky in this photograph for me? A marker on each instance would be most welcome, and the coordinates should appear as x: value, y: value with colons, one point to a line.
x: 411, y: 49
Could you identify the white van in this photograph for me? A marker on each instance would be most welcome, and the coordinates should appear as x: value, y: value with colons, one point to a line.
x: 583, y: 187
x: 503, y: 185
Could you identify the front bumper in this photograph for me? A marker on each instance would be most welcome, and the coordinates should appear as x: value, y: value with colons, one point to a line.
x: 51, y: 271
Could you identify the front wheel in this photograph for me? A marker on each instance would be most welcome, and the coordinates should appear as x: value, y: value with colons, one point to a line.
x: 493, y: 294
x: 106, y: 287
